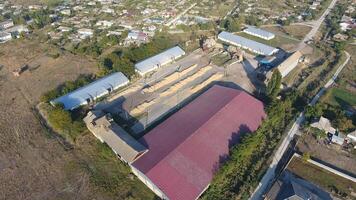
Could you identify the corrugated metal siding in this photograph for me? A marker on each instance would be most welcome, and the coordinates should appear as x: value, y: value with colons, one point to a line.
x: 259, y: 33
x: 245, y: 43
x: 92, y: 91
x: 159, y: 60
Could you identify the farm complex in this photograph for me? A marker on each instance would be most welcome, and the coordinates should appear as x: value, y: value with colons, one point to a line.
x: 177, y: 100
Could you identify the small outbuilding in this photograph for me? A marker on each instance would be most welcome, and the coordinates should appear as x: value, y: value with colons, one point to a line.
x: 127, y: 148
x: 324, y: 125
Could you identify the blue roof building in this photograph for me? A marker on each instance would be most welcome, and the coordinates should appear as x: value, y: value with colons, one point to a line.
x: 92, y: 91
x: 248, y: 44
x: 154, y: 62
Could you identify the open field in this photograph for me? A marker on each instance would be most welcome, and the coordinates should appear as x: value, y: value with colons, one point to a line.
x: 45, y: 72
x: 340, y: 97
x: 325, y: 179
x: 33, y: 162
x: 296, y: 31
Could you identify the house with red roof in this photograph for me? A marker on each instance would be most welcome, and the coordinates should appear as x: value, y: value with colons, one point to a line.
x: 187, y: 149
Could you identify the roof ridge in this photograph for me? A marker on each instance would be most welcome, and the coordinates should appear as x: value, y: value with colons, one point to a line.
x: 200, y: 127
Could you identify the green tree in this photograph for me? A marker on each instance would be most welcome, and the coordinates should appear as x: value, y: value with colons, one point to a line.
x: 125, y: 66
x: 306, y: 156
x: 60, y: 119
x: 274, y: 85
x: 253, y: 20
x: 312, y: 112
x: 231, y: 24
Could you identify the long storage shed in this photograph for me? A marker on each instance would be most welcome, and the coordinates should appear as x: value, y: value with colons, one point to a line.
x: 154, y: 62
x: 92, y: 91
x: 248, y: 44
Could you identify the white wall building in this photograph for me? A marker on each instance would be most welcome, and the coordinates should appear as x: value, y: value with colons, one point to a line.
x: 85, y: 33
x: 6, y: 24
x: 259, y: 33
x: 4, y: 37
x: 157, y: 61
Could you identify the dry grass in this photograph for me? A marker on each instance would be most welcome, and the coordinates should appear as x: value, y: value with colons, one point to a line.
x: 33, y: 163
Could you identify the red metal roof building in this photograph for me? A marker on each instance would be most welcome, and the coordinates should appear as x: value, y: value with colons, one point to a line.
x: 186, y: 149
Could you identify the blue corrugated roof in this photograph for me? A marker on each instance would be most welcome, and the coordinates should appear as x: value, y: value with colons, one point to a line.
x: 259, y: 32
x: 158, y: 60
x: 92, y: 91
x: 251, y: 45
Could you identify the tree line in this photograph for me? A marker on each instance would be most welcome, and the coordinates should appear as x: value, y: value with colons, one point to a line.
x: 124, y: 59
x: 240, y: 175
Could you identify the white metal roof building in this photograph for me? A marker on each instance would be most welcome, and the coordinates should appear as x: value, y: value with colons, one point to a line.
x: 92, y: 91
x: 245, y: 43
x: 154, y: 62
x: 251, y: 30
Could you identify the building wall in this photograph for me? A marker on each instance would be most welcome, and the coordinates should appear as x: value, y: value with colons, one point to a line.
x: 285, y: 68
x: 257, y: 35
x: 148, y: 183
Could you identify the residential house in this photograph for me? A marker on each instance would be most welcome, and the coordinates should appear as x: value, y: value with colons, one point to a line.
x: 85, y: 33
x: 324, y: 125
x: 6, y: 24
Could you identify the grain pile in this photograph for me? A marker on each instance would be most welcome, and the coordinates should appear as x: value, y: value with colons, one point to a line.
x: 170, y: 79
x: 185, y: 81
x: 206, y: 82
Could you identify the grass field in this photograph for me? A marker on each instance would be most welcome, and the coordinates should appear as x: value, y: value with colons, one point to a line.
x: 340, y: 97
x: 296, y: 31
x: 325, y: 179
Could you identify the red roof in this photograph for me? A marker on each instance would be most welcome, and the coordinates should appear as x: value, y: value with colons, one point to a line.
x: 186, y: 149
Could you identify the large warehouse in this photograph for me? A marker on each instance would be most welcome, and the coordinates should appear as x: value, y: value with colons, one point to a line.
x: 248, y: 44
x: 154, y: 62
x: 92, y: 91
x: 251, y: 30
x: 186, y: 149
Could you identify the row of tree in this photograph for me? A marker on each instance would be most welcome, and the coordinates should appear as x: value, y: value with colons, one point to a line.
x: 123, y: 60
x: 240, y: 175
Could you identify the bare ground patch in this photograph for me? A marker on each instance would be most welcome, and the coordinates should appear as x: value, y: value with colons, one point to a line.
x: 332, y: 154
